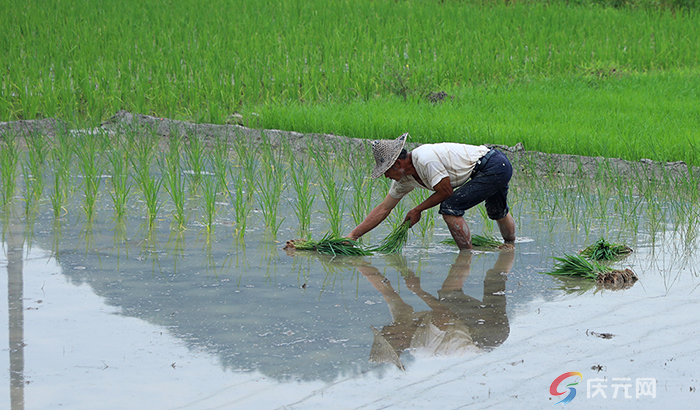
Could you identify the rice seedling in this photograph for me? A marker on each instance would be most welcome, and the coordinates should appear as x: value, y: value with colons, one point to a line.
x: 270, y: 192
x: 478, y: 241
x: 174, y: 181
x: 602, y: 250
x: 33, y: 167
x: 219, y: 159
x: 119, y: 181
x: 9, y: 158
x: 362, y: 191
x: 150, y: 188
x: 143, y: 149
x: 210, y: 206
x: 58, y: 195
x: 395, y: 241
x: 247, y: 162
x: 271, y: 185
x: 30, y: 194
x: 330, y: 245
x: 242, y: 203
x: 578, y: 266
x: 330, y: 190
x: 426, y: 224
x: 87, y: 150
x: 301, y: 181
x: 195, y: 159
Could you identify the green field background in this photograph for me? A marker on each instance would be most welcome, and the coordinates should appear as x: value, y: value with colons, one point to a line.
x: 617, y: 79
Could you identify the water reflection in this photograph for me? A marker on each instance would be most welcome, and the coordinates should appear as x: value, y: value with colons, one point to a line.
x: 13, y: 238
x: 456, y: 324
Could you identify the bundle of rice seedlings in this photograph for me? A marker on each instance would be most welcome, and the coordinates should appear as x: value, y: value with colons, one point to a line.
x: 478, y: 241
x: 329, y: 245
x: 603, y: 250
x: 396, y: 240
x: 578, y: 266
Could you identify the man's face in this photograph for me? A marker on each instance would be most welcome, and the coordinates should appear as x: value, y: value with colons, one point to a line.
x: 396, y: 172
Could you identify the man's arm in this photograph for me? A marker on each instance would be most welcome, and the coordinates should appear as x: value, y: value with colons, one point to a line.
x: 375, y: 217
x: 443, y: 190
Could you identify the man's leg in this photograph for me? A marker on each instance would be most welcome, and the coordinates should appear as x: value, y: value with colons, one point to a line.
x: 507, y: 227
x: 460, y: 231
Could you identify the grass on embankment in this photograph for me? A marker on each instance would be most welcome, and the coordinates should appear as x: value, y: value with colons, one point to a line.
x: 654, y: 116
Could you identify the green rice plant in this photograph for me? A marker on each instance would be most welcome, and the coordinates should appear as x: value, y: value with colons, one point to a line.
x: 119, y: 181
x: 330, y: 245
x: 602, y: 250
x: 195, y: 159
x: 330, y: 190
x: 426, y: 224
x: 174, y: 181
x: 488, y: 223
x: 219, y: 160
x: 58, y: 195
x: 242, y: 203
x: 9, y: 159
x: 270, y: 192
x: 301, y: 181
x: 143, y: 148
x: 362, y: 187
x: 87, y: 149
x: 248, y: 164
x: 395, y: 241
x: 30, y: 187
x: 150, y: 189
x: 271, y: 185
x: 33, y: 167
x: 577, y: 265
x: 209, y: 204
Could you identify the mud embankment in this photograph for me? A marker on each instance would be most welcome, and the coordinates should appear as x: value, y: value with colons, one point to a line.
x: 542, y: 163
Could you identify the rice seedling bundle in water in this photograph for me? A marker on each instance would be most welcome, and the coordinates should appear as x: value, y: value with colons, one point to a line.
x: 329, y: 245
x: 578, y: 266
x: 478, y: 241
x: 603, y: 250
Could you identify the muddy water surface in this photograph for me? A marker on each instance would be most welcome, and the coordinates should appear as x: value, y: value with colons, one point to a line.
x: 98, y: 317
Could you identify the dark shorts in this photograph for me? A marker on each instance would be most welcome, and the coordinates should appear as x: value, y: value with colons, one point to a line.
x: 488, y: 184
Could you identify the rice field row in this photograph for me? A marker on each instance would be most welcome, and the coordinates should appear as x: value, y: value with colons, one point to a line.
x: 190, y: 182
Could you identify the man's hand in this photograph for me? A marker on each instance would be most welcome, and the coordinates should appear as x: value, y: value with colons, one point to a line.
x: 413, y: 215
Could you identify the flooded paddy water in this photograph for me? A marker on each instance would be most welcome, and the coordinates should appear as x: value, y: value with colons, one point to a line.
x: 143, y: 313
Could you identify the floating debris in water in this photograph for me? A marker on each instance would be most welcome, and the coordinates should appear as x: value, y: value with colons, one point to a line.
x: 600, y: 335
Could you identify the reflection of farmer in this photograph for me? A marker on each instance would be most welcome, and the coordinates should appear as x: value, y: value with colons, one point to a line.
x: 462, y: 176
x: 456, y: 324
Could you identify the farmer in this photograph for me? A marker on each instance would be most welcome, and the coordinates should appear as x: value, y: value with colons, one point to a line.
x: 461, y: 175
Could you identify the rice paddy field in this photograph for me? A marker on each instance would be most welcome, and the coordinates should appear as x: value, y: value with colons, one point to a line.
x: 616, y: 80
x: 146, y: 253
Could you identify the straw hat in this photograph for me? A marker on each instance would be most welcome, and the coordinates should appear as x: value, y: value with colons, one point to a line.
x: 382, y: 351
x: 385, y: 154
